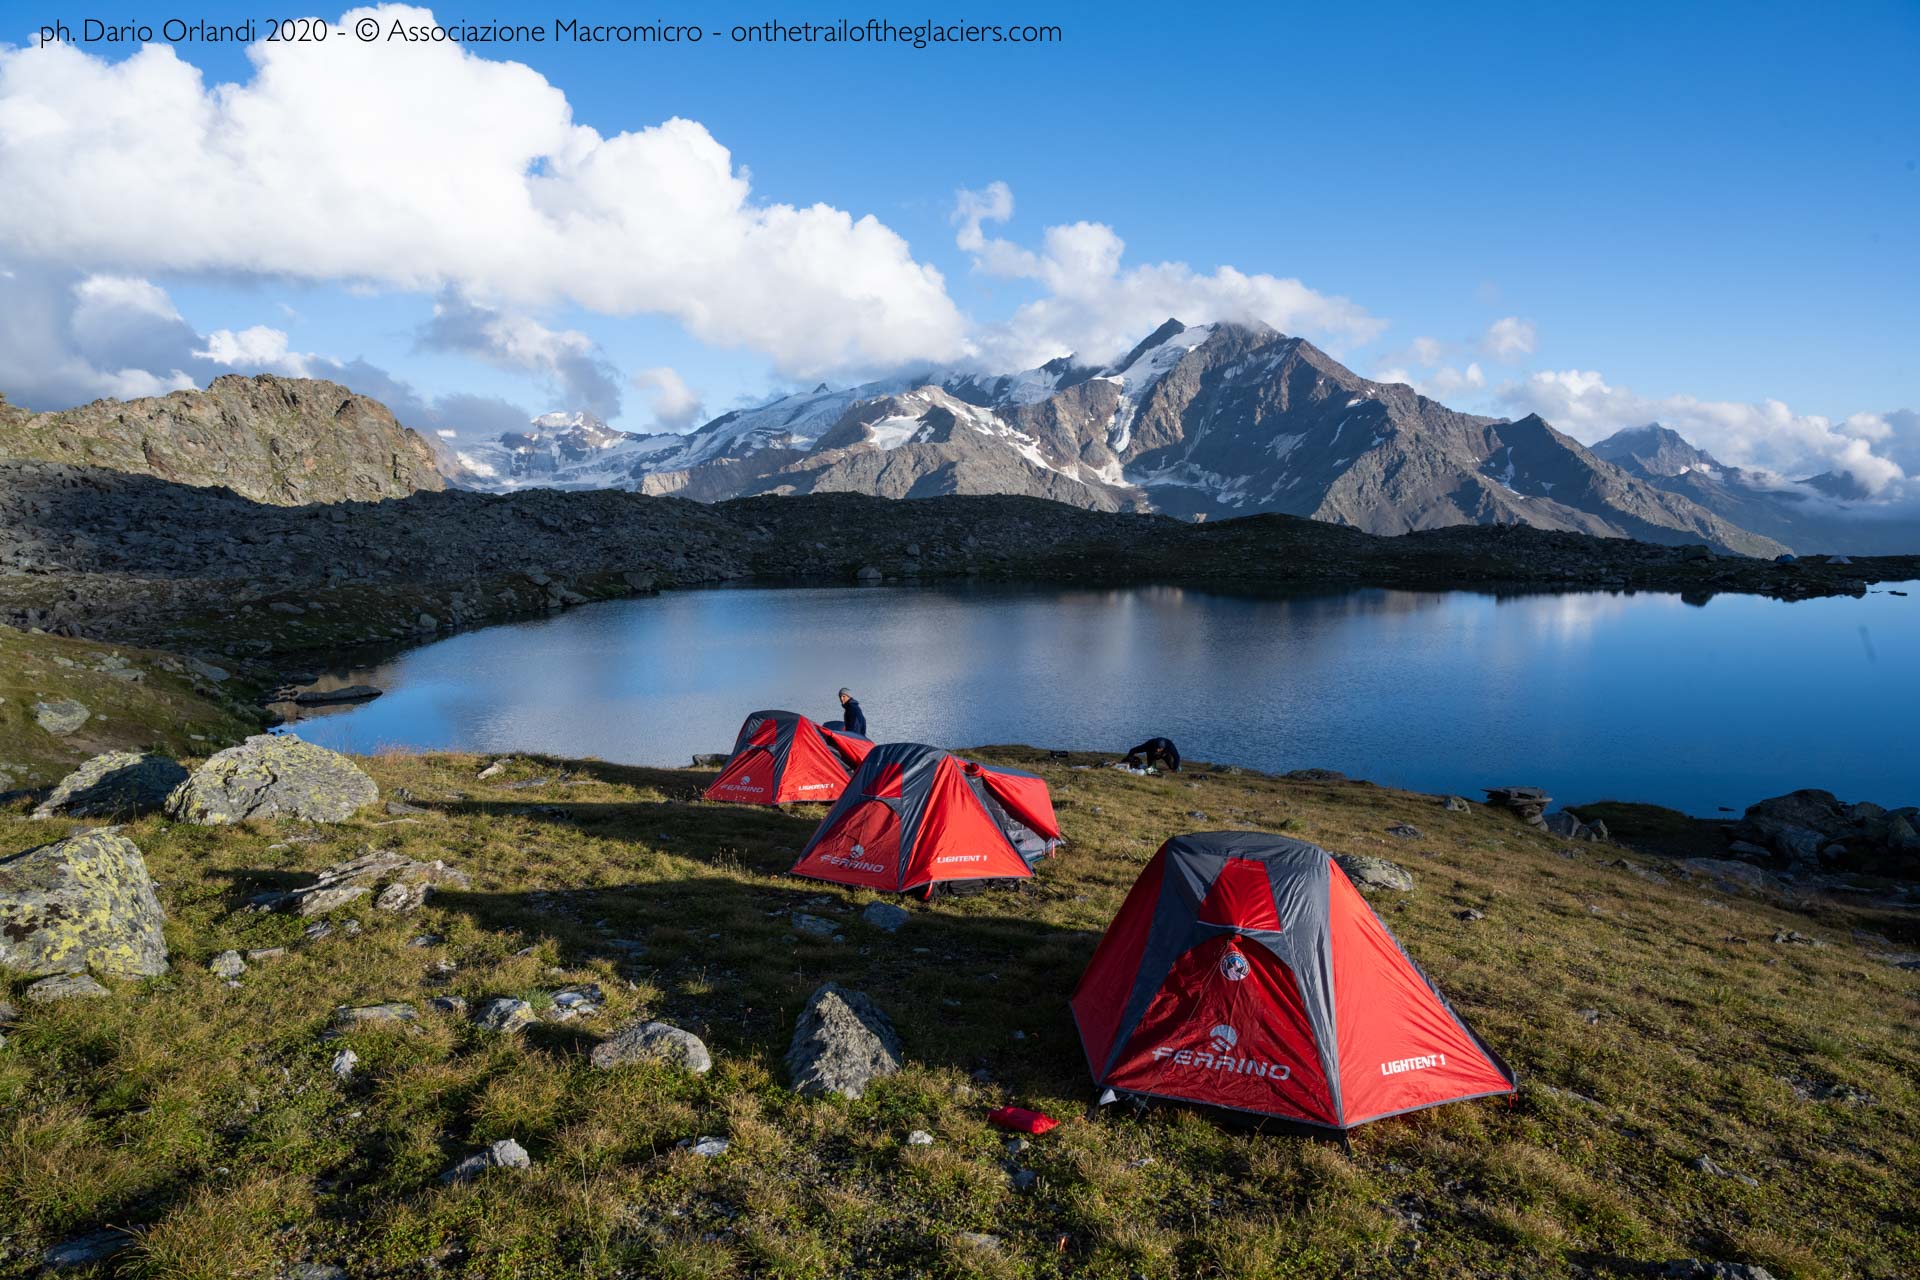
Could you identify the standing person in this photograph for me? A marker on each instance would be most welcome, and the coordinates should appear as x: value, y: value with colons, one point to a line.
x: 1154, y: 751
x: 853, y: 718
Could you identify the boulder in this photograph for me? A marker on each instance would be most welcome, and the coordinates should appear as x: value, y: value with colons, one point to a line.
x: 79, y: 903
x: 842, y: 1043
x: 1370, y: 872
x: 272, y: 776
x: 868, y: 574
x: 1529, y: 802
x: 228, y: 965
x: 60, y: 717
x: 65, y: 986
x: 347, y: 693
x: 644, y: 1041
x: 119, y: 784
x: 357, y: 1015
x: 1727, y: 873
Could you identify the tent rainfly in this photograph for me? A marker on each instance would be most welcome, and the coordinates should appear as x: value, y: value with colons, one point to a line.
x: 781, y: 757
x: 915, y: 816
x: 1245, y: 971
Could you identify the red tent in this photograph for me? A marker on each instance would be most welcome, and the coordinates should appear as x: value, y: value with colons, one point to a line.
x: 914, y: 816
x: 1245, y: 971
x: 781, y: 757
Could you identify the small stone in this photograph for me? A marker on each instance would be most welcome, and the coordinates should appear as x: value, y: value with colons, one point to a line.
x: 315, y: 1271
x: 227, y: 964
x: 504, y: 1014
x: 504, y: 1154
x: 1470, y: 915
x: 1707, y: 1165
x: 317, y: 930
x: 813, y: 926
x: 1589, y: 1016
x: 1024, y: 1179
x: 493, y: 770
x: 258, y: 954
x: 426, y: 940
x: 357, y: 1015
x: 1454, y: 804
x: 447, y: 1004
x: 919, y: 1138
x: 1792, y: 937
x: 885, y: 917
x: 1404, y: 831
x: 343, y: 1064
x: 81, y: 1251
x: 65, y: 986
x: 708, y: 1146
x: 977, y: 1240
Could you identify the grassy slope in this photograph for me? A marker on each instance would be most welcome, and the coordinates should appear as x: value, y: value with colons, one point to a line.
x: 162, y: 710
x: 206, y: 1117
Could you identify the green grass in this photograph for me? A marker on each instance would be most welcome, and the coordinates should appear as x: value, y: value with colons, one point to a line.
x: 166, y: 709
x: 204, y: 1119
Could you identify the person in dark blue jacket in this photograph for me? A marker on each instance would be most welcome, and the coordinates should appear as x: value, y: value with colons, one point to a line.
x: 854, y: 720
x: 1154, y: 751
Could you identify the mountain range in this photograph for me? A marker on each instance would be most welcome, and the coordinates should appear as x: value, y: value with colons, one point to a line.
x: 1199, y: 422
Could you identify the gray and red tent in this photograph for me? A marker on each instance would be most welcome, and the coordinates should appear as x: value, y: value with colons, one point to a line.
x: 781, y: 757
x: 1245, y: 971
x: 914, y: 816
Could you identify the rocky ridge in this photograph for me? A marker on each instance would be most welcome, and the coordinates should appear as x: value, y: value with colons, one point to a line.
x: 278, y: 440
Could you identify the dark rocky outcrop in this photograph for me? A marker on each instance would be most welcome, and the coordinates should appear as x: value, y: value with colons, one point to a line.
x: 119, y: 784
x: 1811, y: 830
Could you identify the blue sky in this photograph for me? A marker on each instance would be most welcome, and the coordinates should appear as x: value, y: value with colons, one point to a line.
x: 1686, y: 212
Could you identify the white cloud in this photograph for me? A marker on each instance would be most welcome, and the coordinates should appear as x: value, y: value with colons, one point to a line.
x: 1428, y: 351
x: 1440, y: 383
x: 259, y: 349
x: 675, y: 405
x: 1509, y: 338
x: 1097, y: 309
x: 579, y: 376
x: 428, y: 168
x: 1766, y: 435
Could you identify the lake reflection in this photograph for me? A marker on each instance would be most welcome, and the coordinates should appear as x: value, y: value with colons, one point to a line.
x: 1590, y: 695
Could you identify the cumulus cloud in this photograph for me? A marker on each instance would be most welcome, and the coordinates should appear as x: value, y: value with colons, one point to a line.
x: 1766, y: 435
x: 578, y: 375
x: 1509, y: 338
x: 1096, y: 308
x: 1438, y: 384
x: 489, y: 188
x: 675, y: 405
x: 257, y: 349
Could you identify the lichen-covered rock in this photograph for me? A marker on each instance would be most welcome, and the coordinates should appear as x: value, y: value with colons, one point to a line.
x: 653, y: 1042
x: 85, y: 902
x: 272, y: 776
x: 60, y: 717
x: 842, y: 1043
x: 119, y: 784
x: 1370, y: 872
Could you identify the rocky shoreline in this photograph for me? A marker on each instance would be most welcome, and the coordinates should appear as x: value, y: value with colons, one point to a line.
x: 131, y: 559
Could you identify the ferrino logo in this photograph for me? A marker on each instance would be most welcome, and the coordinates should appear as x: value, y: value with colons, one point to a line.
x: 855, y: 863
x: 1220, y: 1055
x: 1423, y: 1062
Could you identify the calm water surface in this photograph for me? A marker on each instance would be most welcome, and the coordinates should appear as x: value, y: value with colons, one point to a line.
x: 1591, y: 695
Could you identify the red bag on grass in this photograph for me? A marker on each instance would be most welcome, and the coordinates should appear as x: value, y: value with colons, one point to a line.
x: 1021, y: 1120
